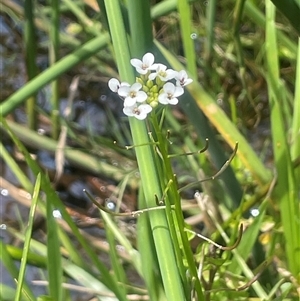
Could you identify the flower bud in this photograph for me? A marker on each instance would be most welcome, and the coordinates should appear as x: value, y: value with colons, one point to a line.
x: 154, y: 89
x: 149, y: 83
x: 145, y: 88
x: 139, y: 80
x: 154, y: 104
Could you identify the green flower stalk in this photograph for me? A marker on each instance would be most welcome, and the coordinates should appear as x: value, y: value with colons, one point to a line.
x: 154, y: 89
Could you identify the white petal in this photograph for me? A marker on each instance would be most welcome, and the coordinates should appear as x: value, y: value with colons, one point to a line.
x: 188, y: 81
x: 152, y: 76
x: 140, y: 116
x: 148, y: 59
x: 145, y: 108
x: 170, y: 74
x: 113, y: 84
x: 163, y: 99
x: 136, y: 87
x: 141, y: 96
x: 169, y: 88
x: 173, y: 101
x: 136, y: 63
x: 178, y: 91
x: 128, y: 111
x: 141, y: 70
x: 129, y: 101
x: 124, y: 91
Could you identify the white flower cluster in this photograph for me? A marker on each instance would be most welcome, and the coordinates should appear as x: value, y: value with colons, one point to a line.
x: 154, y: 86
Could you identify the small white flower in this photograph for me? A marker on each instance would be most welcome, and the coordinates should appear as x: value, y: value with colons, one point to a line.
x: 132, y: 94
x: 143, y: 66
x: 170, y: 94
x: 114, y: 84
x: 182, y: 78
x: 140, y: 112
x: 162, y: 72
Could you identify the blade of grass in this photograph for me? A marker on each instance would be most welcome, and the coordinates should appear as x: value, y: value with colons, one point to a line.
x: 28, y: 234
x: 259, y: 18
x: 186, y: 31
x: 75, y: 272
x: 76, y: 157
x: 32, y: 258
x: 12, y: 164
x: 54, y: 266
x: 53, y: 58
x: 117, y: 267
x: 119, y: 236
x: 52, y: 197
x: 210, y: 26
x: 295, y: 140
x: 291, y: 11
x: 148, y: 255
x: 285, y: 191
x: 222, y: 123
x: 147, y: 165
x: 84, y: 52
x: 9, y: 264
x: 249, y: 238
x: 30, y: 55
x: 243, y: 265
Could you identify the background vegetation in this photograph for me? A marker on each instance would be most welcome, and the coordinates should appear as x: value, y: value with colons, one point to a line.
x: 244, y: 58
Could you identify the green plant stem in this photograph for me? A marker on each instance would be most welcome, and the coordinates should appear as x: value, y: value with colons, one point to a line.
x: 140, y: 33
x: 76, y: 157
x: 285, y: 190
x: 53, y: 58
x: 178, y: 219
x: 8, y: 262
x: 210, y: 26
x: 237, y: 17
x: 52, y: 197
x: 224, y: 126
x: 84, y: 52
x: 295, y: 147
x: 186, y: 31
x: 145, y: 157
x: 30, y: 55
x: 258, y: 17
x: 28, y: 233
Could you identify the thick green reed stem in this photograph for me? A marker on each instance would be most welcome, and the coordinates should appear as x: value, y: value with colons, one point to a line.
x: 146, y: 158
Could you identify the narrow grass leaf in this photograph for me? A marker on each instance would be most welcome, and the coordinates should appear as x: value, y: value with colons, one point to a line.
x: 54, y: 267
x: 222, y: 123
x: 85, y: 51
x: 285, y: 190
x: 28, y: 233
x: 52, y: 196
x: 186, y: 34
x: 248, y: 239
x: 9, y: 264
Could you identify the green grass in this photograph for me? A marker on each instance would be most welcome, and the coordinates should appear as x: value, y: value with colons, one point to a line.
x: 244, y: 60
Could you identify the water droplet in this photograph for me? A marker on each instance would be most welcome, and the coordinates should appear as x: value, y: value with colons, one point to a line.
x: 194, y: 36
x: 56, y: 213
x: 254, y: 212
x: 110, y: 205
x: 4, y: 192
x: 41, y: 132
